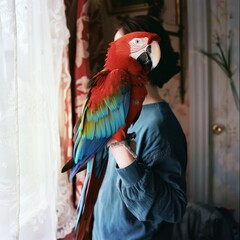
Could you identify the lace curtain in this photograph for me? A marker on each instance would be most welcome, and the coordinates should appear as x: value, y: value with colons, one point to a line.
x: 34, y: 196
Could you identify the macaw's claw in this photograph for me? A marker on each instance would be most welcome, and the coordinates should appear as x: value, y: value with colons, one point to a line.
x: 130, y: 136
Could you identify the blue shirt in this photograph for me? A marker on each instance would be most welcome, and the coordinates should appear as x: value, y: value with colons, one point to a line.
x: 142, y: 200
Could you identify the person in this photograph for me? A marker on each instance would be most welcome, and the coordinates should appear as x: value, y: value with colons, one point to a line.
x: 141, y: 198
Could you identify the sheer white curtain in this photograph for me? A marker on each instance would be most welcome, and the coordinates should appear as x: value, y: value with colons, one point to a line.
x: 33, y: 36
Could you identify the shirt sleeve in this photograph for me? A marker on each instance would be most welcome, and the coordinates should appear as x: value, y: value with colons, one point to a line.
x: 154, y: 188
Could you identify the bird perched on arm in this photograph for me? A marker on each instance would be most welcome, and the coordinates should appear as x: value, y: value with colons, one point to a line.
x: 115, y: 98
x: 116, y: 94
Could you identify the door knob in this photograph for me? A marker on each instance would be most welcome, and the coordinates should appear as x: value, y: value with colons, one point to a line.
x: 217, y: 129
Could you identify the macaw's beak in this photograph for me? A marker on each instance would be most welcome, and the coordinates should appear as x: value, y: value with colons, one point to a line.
x: 151, y: 56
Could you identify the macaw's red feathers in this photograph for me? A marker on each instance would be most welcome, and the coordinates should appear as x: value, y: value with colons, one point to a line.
x: 107, y: 86
x: 137, y: 96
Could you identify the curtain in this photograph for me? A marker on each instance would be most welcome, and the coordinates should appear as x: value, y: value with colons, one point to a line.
x: 78, y: 24
x: 65, y: 205
x: 34, y: 195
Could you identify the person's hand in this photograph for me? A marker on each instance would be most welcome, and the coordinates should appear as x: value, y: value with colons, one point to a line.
x: 123, y: 152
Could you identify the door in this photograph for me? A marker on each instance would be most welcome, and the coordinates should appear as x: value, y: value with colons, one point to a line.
x: 214, y: 113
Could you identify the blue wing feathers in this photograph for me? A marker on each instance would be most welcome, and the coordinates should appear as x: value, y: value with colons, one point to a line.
x: 89, y: 115
x: 126, y: 103
x: 122, y: 114
x: 99, y: 162
x: 86, y: 150
x: 107, y: 127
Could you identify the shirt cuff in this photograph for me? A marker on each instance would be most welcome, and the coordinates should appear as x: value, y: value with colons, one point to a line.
x: 131, y: 174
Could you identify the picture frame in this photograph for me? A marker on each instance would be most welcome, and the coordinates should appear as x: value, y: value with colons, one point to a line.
x: 171, y: 12
x: 172, y: 19
x: 124, y: 6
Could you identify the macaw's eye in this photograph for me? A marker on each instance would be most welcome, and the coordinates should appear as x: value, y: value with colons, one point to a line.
x: 137, y: 41
x: 138, y: 44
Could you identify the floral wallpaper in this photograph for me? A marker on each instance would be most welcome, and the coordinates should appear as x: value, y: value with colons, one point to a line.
x: 171, y: 94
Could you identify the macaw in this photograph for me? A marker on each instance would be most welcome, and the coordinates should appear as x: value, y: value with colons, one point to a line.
x: 114, y: 102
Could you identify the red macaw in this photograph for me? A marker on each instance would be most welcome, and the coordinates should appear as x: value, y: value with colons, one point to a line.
x: 114, y: 101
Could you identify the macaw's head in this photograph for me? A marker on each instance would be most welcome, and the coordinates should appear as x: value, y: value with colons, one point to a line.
x: 133, y: 52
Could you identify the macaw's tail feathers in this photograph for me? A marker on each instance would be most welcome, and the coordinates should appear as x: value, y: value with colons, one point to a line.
x: 95, y: 174
x: 81, y: 202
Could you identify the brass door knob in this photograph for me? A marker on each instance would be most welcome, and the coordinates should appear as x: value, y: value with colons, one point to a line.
x: 217, y: 128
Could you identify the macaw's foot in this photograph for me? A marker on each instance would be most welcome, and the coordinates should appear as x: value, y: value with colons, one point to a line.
x: 127, y: 143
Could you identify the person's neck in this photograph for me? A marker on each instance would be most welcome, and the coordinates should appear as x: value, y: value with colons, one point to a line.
x: 153, y: 95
